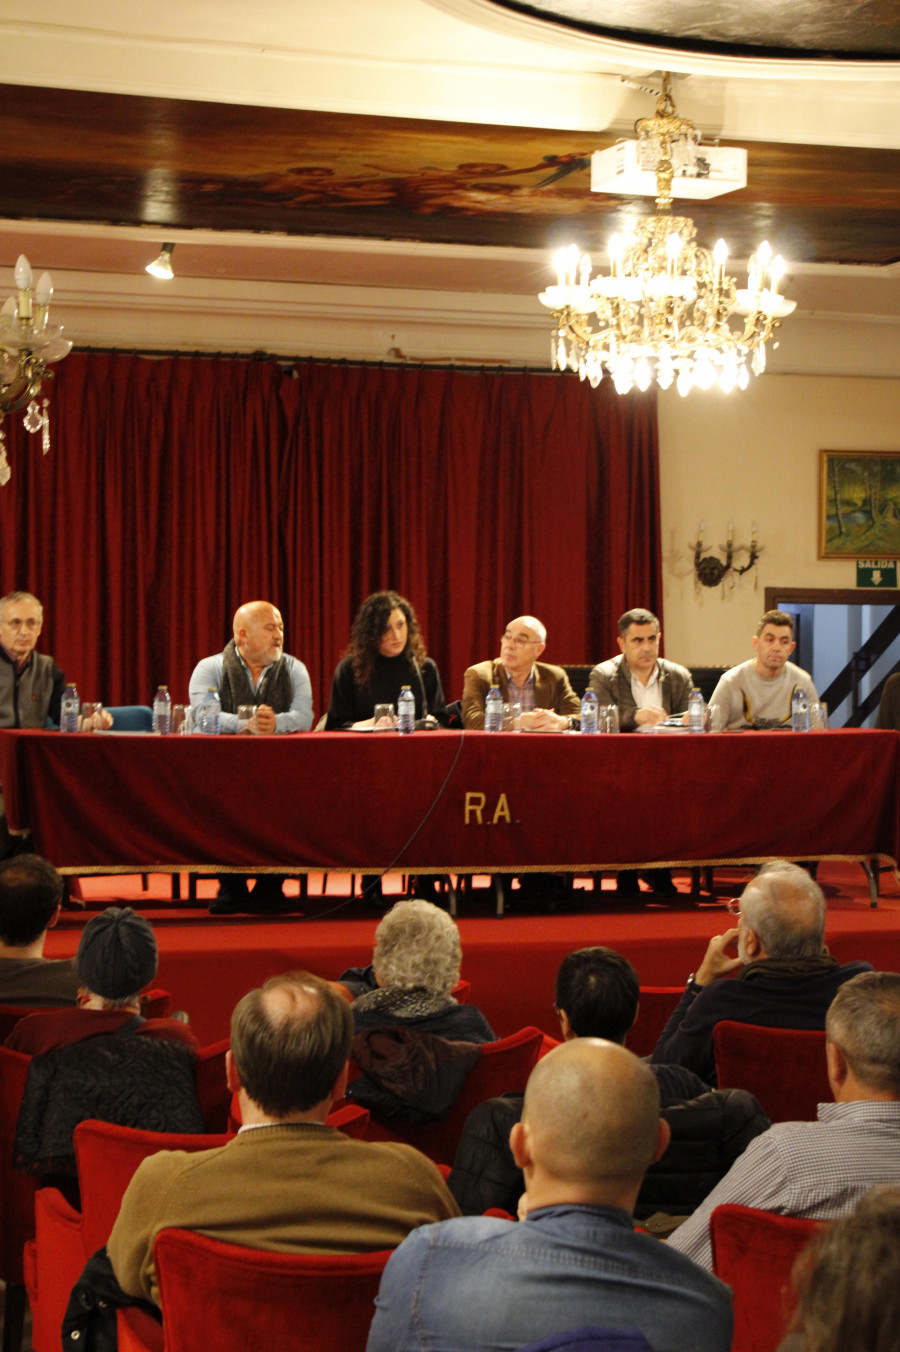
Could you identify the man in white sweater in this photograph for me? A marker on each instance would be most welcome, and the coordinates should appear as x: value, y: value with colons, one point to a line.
x: 758, y: 693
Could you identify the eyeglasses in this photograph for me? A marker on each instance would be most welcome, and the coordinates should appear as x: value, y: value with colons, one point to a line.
x: 734, y: 906
x: 16, y: 625
x: 517, y: 640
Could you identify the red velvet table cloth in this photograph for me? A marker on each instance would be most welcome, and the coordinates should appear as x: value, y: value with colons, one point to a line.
x: 451, y: 801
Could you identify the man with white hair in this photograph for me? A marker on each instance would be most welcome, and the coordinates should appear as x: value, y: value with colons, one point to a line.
x: 819, y: 1170
x: 543, y: 692
x: 785, y: 976
x: 590, y: 1128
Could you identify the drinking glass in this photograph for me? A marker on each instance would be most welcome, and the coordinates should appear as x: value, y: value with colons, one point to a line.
x: 818, y: 716
x: 511, y: 715
x: 717, y: 717
x: 91, y: 717
x: 177, y: 717
x: 383, y: 717
x: 245, y: 715
x: 608, y: 718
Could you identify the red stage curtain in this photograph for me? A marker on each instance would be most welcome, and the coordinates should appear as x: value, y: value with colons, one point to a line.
x: 178, y: 487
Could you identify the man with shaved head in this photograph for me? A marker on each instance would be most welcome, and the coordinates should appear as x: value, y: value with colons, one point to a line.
x: 287, y: 1182
x: 590, y: 1128
x: 254, y: 669
x: 543, y: 692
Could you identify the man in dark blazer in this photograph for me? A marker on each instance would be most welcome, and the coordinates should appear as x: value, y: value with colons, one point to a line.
x: 548, y: 702
x: 646, y: 690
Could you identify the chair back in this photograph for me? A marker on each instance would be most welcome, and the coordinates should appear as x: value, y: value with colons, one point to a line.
x: 784, y: 1068
x: 229, y: 1297
x: 155, y: 1004
x: 131, y: 717
x: 213, y: 1093
x: 753, y: 1253
x: 16, y: 1188
x: 657, y: 1004
x: 107, y: 1157
x: 503, y: 1067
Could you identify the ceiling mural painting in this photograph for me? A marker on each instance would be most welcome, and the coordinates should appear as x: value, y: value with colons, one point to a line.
x: 126, y: 160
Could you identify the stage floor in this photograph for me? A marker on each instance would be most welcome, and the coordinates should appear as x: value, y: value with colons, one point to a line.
x: 208, y: 962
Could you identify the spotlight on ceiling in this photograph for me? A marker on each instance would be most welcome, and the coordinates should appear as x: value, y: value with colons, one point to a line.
x: 162, y: 266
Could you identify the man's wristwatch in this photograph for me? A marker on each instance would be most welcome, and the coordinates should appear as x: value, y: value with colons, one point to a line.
x: 692, y: 985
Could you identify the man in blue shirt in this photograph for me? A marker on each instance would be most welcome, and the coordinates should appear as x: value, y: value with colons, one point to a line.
x: 255, y: 670
x: 590, y: 1128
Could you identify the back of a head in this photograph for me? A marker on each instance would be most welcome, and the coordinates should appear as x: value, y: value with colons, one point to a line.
x: 290, y: 1040
x: 417, y: 947
x: 863, y: 1020
x: 849, y: 1280
x: 785, y: 908
x: 593, y: 1112
x: 117, y: 954
x: 598, y: 990
x: 30, y: 891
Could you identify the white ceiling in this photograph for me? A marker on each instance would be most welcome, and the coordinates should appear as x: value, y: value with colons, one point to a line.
x: 438, y: 59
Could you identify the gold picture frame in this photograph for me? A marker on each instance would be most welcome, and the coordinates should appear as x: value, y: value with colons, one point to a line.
x: 859, y: 505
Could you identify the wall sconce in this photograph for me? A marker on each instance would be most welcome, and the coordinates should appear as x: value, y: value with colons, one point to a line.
x: 162, y: 266
x: 710, y: 570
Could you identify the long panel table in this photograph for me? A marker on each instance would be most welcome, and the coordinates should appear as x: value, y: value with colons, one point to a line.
x: 450, y: 801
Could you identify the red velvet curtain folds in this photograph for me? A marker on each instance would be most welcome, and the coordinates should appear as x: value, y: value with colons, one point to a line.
x: 178, y: 487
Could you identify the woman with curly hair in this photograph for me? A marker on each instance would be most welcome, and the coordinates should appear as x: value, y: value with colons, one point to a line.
x: 385, y: 653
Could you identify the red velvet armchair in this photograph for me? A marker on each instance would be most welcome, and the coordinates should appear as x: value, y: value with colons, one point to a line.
x: 230, y: 1298
x: 784, y: 1068
x: 753, y: 1253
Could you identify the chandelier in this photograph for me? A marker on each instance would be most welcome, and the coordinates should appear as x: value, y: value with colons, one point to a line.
x: 665, y: 308
x: 28, y: 342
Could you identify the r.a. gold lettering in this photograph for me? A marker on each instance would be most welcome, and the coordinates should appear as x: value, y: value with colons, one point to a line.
x: 501, y: 811
x: 475, y: 806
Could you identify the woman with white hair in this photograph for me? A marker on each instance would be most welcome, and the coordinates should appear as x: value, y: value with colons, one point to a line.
x: 416, y: 965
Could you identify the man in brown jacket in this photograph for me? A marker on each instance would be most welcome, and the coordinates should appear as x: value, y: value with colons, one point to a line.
x: 547, y: 700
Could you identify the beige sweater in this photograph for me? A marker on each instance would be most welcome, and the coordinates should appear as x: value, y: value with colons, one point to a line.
x: 293, y: 1189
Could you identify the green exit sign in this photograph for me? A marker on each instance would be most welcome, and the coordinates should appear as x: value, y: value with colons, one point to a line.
x: 876, y: 573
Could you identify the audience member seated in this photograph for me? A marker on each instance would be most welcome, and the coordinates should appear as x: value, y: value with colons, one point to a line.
x: 819, y: 1170
x: 117, y: 957
x: 785, y: 978
x: 415, y: 965
x: 414, y: 1044
x: 30, y: 895
x: 286, y: 1182
x: 102, y: 1060
x: 590, y: 1127
x: 597, y: 996
x: 848, y: 1282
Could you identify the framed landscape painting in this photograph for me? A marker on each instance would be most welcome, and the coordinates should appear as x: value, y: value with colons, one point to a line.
x: 859, y: 505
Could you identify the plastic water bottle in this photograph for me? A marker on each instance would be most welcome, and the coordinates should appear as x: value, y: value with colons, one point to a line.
x: 493, y: 710
x: 696, y: 711
x: 162, y: 710
x: 207, y: 718
x: 406, y: 711
x: 589, y: 712
x: 800, y: 711
x: 69, y: 709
